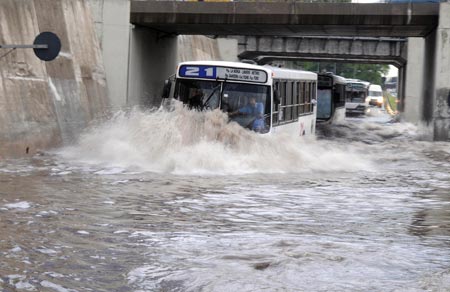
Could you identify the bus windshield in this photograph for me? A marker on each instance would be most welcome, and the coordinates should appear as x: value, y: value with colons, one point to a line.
x: 246, y: 104
x: 375, y: 93
x: 357, y: 96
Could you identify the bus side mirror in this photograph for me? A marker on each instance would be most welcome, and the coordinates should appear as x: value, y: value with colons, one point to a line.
x: 166, y: 89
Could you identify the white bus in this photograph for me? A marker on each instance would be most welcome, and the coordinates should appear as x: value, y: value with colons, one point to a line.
x: 356, y: 102
x: 331, y: 98
x: 261, y: 98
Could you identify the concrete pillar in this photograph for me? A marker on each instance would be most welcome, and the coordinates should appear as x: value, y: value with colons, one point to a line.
x: 153, y: 58
x: 401, y: 88
x: 112, y: 21
x: 441, y: 84
x: 413, y: 104
x: 428, y: 77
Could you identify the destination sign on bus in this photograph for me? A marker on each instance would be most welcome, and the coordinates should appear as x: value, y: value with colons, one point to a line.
x: 218, y: 72
x: 355, y: 87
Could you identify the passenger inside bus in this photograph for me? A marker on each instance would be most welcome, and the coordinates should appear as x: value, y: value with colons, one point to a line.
x: 195, y: 100
x: 254, y: 112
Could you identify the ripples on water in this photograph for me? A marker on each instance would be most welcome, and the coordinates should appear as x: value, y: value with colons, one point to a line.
x: 183, y: 201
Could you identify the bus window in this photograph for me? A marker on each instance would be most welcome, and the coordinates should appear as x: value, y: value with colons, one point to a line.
x: 313, y: 96
x: 283, y: 92
x: 237, y: 96
x: 283, y: 85
x: 275, y: 105
x: 288, y: 104
x: 302, y: 97
x: 295, y: 100
x: 307, y: 100
x: 340, y: 91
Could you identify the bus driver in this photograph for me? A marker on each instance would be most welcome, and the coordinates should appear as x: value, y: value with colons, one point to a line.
x: 195, y: 100
x: 252, y: 109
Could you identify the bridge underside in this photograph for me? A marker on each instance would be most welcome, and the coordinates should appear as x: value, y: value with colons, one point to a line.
x: 339, y: 49
x: 286, y: 18
x: 265, y: 59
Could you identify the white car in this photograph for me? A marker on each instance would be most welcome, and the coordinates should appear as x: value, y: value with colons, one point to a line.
x: 375, y: 96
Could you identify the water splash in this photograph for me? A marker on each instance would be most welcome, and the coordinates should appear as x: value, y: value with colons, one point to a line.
x: 182, y: 141
x: 371, y: 131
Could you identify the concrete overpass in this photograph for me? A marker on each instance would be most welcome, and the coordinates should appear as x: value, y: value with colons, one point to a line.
x: 429, y: 21
x: 286, y: 18
x: 312, y: 48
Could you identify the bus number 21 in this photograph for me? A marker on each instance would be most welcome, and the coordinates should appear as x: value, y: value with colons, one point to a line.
x: 195, y: 71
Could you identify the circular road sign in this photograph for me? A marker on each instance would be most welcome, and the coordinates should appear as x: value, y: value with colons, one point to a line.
x: 53, y: 46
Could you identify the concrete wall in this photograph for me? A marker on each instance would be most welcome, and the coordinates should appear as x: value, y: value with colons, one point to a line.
x: 112, y: 24
x: 197, y: 47
x: 228, y: 49
x: 152, y: 60
x: 45, y: 104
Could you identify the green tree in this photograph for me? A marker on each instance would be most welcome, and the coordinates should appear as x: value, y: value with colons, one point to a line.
x: 367, y: 72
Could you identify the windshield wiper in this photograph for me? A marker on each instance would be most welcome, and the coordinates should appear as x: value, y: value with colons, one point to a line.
x: 211, y: 95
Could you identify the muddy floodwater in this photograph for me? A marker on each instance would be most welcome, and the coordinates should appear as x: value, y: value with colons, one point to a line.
x: 184, y: 201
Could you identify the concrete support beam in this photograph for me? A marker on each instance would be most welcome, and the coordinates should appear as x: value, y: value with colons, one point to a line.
x: 346, y: 49
x: 441, y: 94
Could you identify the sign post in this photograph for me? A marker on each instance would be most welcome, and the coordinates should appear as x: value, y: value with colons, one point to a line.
x: 46, y: 46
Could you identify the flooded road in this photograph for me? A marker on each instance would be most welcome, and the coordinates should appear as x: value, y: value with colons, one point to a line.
x: 157, y: 202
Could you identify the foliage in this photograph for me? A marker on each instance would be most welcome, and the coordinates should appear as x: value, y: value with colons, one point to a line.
x: 367, y: 72
x: 392, y: 101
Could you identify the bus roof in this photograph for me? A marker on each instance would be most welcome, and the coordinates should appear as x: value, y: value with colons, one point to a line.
x: 336, y: 78
x: 339, y: 79
x: 365, y: 83
x: 284, y: 73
